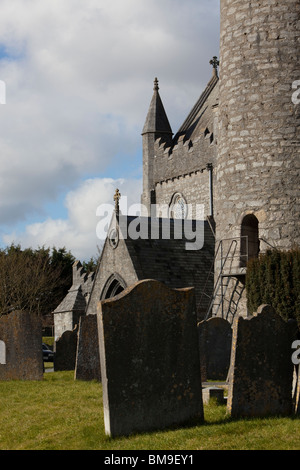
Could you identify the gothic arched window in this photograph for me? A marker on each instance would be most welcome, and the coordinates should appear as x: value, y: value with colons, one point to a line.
x: 113, y: 286
x: 178, y: 207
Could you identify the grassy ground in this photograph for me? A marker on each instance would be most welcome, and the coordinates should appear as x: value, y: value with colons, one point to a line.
x: 60, y: 413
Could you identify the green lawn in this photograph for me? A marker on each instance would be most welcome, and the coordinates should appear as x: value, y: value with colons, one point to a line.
x: 60, y: 413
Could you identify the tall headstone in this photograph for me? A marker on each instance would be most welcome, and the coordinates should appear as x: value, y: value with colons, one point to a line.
x: 87, y: 365
x: 149, y: 358
x: 215, y: 336
x: 21, y: 356
x: 261, y: 370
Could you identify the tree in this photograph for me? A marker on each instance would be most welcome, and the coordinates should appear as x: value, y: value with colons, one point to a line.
x: 33, y: 280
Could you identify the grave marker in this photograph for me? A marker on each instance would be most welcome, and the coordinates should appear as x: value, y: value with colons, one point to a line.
x: 149, y: 357
x: 261, y: 370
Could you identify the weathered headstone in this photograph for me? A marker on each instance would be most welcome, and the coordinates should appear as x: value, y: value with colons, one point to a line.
x: 21, y: 355
x: 65, y: 350
x: 261, y: 370
x: 87, y: 359
x: 149, y: 358
x: 215, y: 337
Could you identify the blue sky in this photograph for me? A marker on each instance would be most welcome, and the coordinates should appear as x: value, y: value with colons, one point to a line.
x: 79, y: 80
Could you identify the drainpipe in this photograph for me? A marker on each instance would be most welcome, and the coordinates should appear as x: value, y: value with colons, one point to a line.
x: 209, y: 168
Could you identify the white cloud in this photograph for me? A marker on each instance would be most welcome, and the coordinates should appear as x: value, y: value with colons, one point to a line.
x: 78, y: 231
x: 79, y: 78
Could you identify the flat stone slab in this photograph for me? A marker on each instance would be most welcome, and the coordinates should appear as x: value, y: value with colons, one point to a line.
x: 215, y: 393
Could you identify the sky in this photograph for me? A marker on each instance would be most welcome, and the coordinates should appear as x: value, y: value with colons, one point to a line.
x: 78, y: 84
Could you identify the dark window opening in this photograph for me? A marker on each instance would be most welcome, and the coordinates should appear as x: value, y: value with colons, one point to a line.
x: 249, y: 240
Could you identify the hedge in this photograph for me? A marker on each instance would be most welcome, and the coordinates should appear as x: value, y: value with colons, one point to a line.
x: 274, y: 278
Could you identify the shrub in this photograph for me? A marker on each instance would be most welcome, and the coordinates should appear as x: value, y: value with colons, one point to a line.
x: 274, y: 278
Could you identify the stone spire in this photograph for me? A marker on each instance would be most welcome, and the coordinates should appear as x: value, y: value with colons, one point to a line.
x: 156, y: 131
x: 157, y: 121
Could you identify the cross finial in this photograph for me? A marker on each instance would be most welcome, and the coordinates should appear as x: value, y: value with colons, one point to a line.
x: 117, y: 198
x: 156, y: 87
x: 215, y: 63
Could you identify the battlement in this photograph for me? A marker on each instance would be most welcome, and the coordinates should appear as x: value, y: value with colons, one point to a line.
x: 185, y: 156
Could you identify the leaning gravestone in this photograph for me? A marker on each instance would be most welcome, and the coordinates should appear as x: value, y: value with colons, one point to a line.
x: 149, y: 358
x: 87, y: 365
x: 215, y: 336
x: 21, y: 356
x: 261, y: 370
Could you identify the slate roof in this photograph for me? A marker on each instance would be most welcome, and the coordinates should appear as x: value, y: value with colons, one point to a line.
x: 168, y: 260
x: 73, y: 302
x: 197, y: 114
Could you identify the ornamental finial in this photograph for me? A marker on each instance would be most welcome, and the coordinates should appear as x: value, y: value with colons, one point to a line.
x: 215, y: 63
x: 117, y: 198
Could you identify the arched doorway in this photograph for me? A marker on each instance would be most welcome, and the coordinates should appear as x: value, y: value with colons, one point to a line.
x: 113, y: 286
x: 249, y: 239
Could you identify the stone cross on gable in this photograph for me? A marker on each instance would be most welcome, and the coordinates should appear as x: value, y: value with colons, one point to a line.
x: 215, y: 63
x: 117, y: 198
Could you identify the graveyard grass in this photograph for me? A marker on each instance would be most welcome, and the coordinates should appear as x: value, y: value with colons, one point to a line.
x: 59, y: 413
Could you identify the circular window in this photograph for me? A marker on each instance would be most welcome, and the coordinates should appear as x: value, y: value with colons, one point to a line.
x: 113, y: 238
x: 178, y: 207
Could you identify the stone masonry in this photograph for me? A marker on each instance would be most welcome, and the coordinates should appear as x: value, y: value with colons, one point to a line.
x: 259, y: 126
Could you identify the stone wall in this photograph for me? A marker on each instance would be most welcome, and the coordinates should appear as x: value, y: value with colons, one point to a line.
x: 113, y: 260
x: 194, y: 188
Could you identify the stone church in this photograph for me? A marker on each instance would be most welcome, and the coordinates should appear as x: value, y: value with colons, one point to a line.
x: 236, y: 155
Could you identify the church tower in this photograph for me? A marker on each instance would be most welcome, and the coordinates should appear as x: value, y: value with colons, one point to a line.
x: 259, y: 134
x: 258, y: 163
x: 156, y: 127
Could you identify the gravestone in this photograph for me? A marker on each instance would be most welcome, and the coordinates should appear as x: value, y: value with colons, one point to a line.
x: 215, y: 337
x: 65, y: 350
x: 2, y: 353
x: 87, y: 359
x: 21, y: 355
x: 149, y: 358
x: 261, y: 370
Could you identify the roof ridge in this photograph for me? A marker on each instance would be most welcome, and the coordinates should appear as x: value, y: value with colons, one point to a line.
x: 199, y: 104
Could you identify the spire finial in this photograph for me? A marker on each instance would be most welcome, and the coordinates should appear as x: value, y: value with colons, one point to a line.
x: 117, y: 198
x: 156, y: 87
x: 215, y: 63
